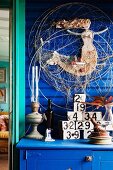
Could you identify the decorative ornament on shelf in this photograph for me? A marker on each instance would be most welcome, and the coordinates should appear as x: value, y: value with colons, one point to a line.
x: 104, y: 102
x: 82, y: 123
x: 75, y: 23
x: 101, y: 101
x: 34, y: 84
x: 35, y: 118
x: 79, y: 124
x: 99, y: 135
x: 49, y: 116
x: 88, y: 61
x: 108, y: 116
x: 74, y: 52
x: 48, y: 137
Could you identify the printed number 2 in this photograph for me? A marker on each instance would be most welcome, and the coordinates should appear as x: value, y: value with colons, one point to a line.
x: 76, y: 98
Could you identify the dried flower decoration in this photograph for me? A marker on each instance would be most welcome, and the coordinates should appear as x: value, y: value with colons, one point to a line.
x: 100, y: 101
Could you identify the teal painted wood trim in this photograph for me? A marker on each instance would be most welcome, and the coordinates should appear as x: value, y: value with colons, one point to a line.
x: 18, y: 50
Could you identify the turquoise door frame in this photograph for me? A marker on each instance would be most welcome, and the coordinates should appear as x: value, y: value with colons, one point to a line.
x: 17, y: 8
x: 18, y: 53
x: 18, y: 72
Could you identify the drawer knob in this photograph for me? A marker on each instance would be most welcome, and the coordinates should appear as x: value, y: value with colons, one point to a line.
x: 69, y: 169
x: 88, y: 158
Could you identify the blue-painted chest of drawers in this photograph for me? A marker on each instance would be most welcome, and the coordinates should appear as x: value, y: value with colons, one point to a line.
x: 64, y: 155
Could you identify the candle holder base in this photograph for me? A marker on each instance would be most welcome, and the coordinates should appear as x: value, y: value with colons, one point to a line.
x: 35, y: 135
x: 34, y: 119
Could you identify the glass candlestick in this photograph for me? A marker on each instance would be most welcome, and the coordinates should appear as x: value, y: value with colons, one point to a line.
x: 35, y: 118
x: 108, y: 116
x: 108, y: 119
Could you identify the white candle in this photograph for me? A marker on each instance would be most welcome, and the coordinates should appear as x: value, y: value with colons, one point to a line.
x: 32, y: 85
x: 37, y: 79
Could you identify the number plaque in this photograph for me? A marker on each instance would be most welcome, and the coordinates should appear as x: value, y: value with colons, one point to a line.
x: 95, y: 115
x: 86, y: 133
x: 79, y: 98
x: 83, y: 125
x: 75, y: 116
x: 79, y: 107
x: 79, y: 124
x: 71, y: 134
x: 68, y: 125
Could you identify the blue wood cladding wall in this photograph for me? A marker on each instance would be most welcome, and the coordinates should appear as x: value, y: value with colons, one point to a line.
x: 34, y: 9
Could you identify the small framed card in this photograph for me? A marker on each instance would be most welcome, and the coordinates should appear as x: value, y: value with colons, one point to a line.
x: 2, y: 75
x: 2, y: 95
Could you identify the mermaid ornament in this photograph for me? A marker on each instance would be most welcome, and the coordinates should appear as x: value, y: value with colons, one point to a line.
x: 88, y: 61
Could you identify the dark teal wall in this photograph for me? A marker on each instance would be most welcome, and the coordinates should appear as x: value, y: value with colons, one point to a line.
x: 5, y: 3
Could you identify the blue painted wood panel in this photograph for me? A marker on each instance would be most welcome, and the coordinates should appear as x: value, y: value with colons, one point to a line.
x: 64, y: 154
x: 103, y: 160
x: 54, y: 159
x: 80, y: 144
x: 35, y: 9
x: 54, y: 164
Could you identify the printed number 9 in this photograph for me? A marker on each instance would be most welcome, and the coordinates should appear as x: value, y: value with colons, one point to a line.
x: 76, y: 134
x: 87, y: 125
